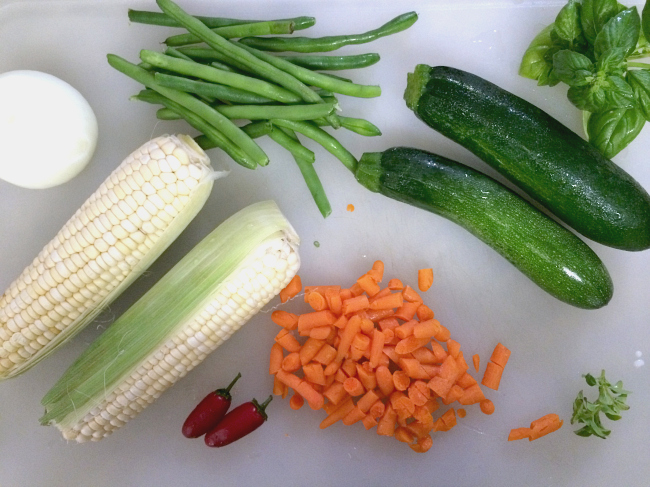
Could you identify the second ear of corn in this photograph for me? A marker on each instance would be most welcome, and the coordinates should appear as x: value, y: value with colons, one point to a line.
x: 117, y: 233
x: 216, y: 288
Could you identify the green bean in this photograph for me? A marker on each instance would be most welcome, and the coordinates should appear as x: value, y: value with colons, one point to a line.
x: 293, y: 146
x: 265, y: 112
x: 216, y: 138
x: 208, y: 73
x: 167, y: 114
x: 236, y: 31
x: 159, y: 18
x: 318, y: 135
x: 211, y: 90
x: 210, y: 115
x: 218, y: 43
x: 357, y: 125
x: 254, y: 130
x: 204, y: 54
x: 334, y: 63
x: 170, y: 51
x: 327, y: 82
x: 221, y: 66
x: 330, y: 43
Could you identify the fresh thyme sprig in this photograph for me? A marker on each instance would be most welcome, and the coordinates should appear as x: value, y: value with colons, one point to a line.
x: 610, y: 402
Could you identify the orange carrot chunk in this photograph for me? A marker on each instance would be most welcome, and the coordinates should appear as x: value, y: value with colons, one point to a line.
x: 307, y: 321
x: 309, y: 350
x: 500, y: 355
x: 314, y: 398
x: 407, y: 311
x: 386, y: 425
x: 377, y: 271
x: 338, y: 414
x: 317, y: 301
x: 492, y: 376
x: 384, y: 380
x: 409, y: 344
x: 292, y: 289
x: 411, y: 295
x: 401, y: 380
x: 427, y: 329
x: 395, y: 285
x: 519, y: 434
x: 275, y: 360
x: 326, y: 354
x: 424, y: 312
x: 368, y: 284
x: 353, y: 386
x: 453, y: 347
x: 425, y: 279
x: 354, y: 304
x: 287, y: 341
x: 367, y: 400
x: 476, y: 360
x: 545, y: 425
x: 296, y: 401
x: 390, y: 301
x: 472, y: 395
x: 354, y: 416
x: 369, y: 422
x: 314, y: 373
x: 285, y: 319
x: 336, y: 393
x: 487, y: 406
x: 291, y: 363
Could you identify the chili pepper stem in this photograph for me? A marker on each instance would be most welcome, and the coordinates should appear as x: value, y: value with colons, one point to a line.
x: 230, y: 386
x: 261, y: 407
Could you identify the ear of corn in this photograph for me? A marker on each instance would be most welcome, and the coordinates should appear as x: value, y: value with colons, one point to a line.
x: 194, y: 308
x: 116, y: 234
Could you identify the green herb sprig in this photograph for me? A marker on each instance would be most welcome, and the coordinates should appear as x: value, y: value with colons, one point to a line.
x: 610, y: 402
x: 591, y: 47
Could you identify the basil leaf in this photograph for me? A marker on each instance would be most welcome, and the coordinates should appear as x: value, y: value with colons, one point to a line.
x: 619, y: 93
x: 622, y: 30
x: 533, y: 64
x: 612, y: 61
x: 645, y: 19
x: 590, y: 98
x: 640, y: 82
x: 573, y: 68
x: 594, y: 15
x: 567, y: 22
x: 613, y: 130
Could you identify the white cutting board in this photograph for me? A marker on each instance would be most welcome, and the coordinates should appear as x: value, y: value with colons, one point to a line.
x: 480, y: 297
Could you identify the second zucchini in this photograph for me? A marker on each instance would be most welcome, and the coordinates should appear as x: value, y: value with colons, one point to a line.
x: 553, y: 257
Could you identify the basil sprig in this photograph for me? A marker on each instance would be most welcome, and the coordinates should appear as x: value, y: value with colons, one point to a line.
x: 591, y: 47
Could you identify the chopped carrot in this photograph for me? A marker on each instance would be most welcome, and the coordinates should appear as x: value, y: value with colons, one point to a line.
x: 405, y: 329
x: 476, y: 360
x: 350, y: 207
x: 320, y: 289
x: 334, y: 301
x: 395, y: 285
x: 292, y: 289
x: 378, y: 314
x: 449, y: 370
x: 367, y: 377
x: 406, y: 311
x: 317, y: 301
x: 386, y: 425
x: 388, y: 323
x: 296, y: 401
x: 307, y: 321
x: 378, y: 340
x: 439, y: 352
x: 345, y: 294
x: 455, y: 393
x: 453, y: 348
x: 367, y: 400
x: 545, y: 425
x: 291, y: 363
x: 279, y: 388
x: 285, y: 319
x: 424, y: 312
x: 353, y: 386
x: 519, y: 434
x: 423, y: 445
x: 332, y: 367
x: 338, y: 414
x: 369, y: 422
x: 413, y: 368
x: 492, y: 376
x: 425, y: 279
x: 404, y: 435
x: 381, y: 294
x: 314, y: 373
x: 326, y: 354
x: 487, y: 406
x: 443, y: 335
x: 314, y: 398
x: 427, y: 329
x: 341, y: 322
x: 390, y: 301
x: 287, y: 341
x: 377, y: 270
x: 349, y: 367
x: 472, y: 395
x: 356, y: 289
x: 309, y: 349
x: 411, y: 295
x: 424, y: 355
x: 354, y: 304
x: 361, y: 341
x: 462, y: 364
x: 336, y: 393
x: 431, y: 370
x: 377, y: 409
x: 275, y: 360
x: 461, y: 413
x: 449, y: 418
x: 440, y: 386
x: 355, y: 415
x: 320, y: 332
x: 419, y: 393
x: 465, y: 381
x: 401, y: 380
x: 409, y: 344
x: 369, y: 285
x: 500, y: 355
x: 289, y: 379
x: 384, y: 380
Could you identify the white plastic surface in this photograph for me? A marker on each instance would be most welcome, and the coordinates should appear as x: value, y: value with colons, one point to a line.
x: 480, y: 297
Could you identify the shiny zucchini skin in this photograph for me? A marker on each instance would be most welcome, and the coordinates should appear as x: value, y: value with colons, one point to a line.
x: 549, y: 254
x: 552, y: 164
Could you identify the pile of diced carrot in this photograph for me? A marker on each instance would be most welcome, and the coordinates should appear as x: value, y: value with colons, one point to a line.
x: 377, y: 356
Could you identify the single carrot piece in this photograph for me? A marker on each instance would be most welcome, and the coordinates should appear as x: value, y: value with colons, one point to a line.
x: 395, y: 285
x: 409, y: 344
x: 334, y: 301
x: 376, y: 347
x: 449, y: 370
x: 345, y: 294
x: 336, y: 393
x: 453, y: 348
x: 320, y: 289
x: 404, y: 435
x: 314, y: 398
x: 460, y: 361
x: 386, y: 425
x: 376, y: 315
x: 285, y: 319
x: 332, y: 367
x: 519, y: 434
x: 377, y: 270
x: 443, y: 335
x: 291, y: 363
x: 401, y: 380
x: 461, y: 413
x: 425, y: 279
x: 423, y: 445
x: 465, y: 381
x: 487, y: 406
x: 381, y: 294
x: 317, y: 301
x: 367, y: 400
x: 314, y: 373
x: 377, y: 409
x: 326, y: 354
x: 307, y: 321
x: 413, y: 368
x: 411, y: 295
x: 341, y: 322
x: 492, y: 376
x: 454, y: 394
x: 296, y: 401
x: 440, y: 385
x: 357, y: 303
x: 424, y: 421
x: 431, y: 370
x: 403, y: 406
x: 355, y: 415
x: 340, y: 376
x: 369, y: 422
x: 368, y: 284
x: 424, y: 355
x: 432, y: 405
x: 439, y: 352
x: 384, y: 380
x: 393, y: 300
x: 279, y: 387
x: 309, y: 349
x: 544, y: 425
x: 353, y: 386
x: 275, y: 359
x: 366, y: 377
x: 349, y: 332
x: 449, y: 417
x: 500, y: 355
x: 287, y: 341
x: 367, y: 324
x: 472, y: 395
x: 405, y: 329
x: 427, y: 329
x: 389, y: 323
x: 338, y: 414
x: 407, y: 311
x: 361, y: 341
x: 418, y: 395
x: 476, y: 361
x: 356, y: 289
x: 320, y: 332
x: 292, y: 289
x: 424, y: 312
x: 349, y: 367
x: 289, y: 379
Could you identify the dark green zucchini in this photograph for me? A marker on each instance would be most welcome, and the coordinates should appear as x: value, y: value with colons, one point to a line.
x: 549, y: 254
x: 537, y: 153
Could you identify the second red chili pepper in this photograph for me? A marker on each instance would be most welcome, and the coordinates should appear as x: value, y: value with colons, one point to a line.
x: 207, y: 414
x: 239, y: 422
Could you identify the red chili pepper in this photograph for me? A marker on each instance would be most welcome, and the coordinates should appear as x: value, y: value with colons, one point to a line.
x: 239, y: 422
x: 207, y: 414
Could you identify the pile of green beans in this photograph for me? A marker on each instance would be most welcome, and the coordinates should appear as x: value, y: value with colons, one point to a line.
x: 219, y: 72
